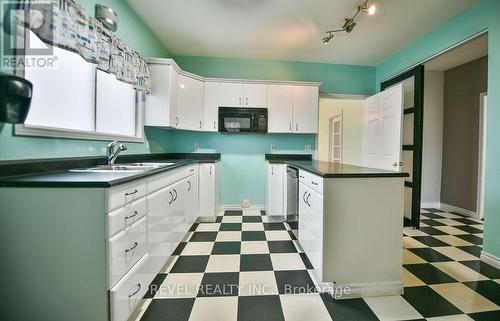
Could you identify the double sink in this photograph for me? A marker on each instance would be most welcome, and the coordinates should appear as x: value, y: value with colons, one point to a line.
x: 130, y: 167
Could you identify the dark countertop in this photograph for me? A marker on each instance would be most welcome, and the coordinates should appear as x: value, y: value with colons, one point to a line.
x: 54, y: 176
x: 336, y: 170
x: 282, y: 158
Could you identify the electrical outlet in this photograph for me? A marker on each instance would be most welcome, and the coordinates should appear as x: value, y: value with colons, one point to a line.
x: 196, y: 147
x: 307, y: 148
x: 245, y: 203
x: 273, y: 147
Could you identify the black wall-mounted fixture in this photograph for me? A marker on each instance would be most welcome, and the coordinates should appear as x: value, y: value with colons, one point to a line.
x: 349, y: 23
x: 15, y: 99
x: 106, y: 16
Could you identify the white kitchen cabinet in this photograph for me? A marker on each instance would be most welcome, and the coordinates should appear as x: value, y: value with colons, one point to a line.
x: 190, y: 103
x: 209, y: 191
x: 161, y: 104
x: 211, y: 107
x: 179, y: 224
x: 280, y: 109
x: 255, y: 95
x: 305, y: 109
x: 275, y: 189
x: 246, y: 95
x: 192, y: 201
x: 230, y: 94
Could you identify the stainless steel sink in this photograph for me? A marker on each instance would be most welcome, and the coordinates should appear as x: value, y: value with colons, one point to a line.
x: 132, y: 167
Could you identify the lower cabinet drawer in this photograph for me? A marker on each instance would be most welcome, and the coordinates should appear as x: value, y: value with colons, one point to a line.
x: 128, y: 292
x: 125, y: 216
x: 125, y: 249
x: 125, y: 194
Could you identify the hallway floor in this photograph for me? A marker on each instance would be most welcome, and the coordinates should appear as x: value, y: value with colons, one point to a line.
x: 244, y: 268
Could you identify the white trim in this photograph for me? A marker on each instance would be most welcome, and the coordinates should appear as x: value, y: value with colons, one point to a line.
x: 459, y: 210
x: 237, y: 207
x: 481, y: 168
x: 430, y: 205
x: 342, y: 96
x: 171, y: 62
x: 362, y: 290
x: 424, y: 60
x: 490, y: 259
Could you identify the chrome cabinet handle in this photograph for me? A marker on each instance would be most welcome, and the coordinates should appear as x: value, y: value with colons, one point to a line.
x: 246, y: 100
x: 290, y: 126
x: 191, y: 170
x: 189, y: 188
x: 314, y: 183
x: 296, y: 126
x: 175, y: 191
x: 307, y: 199
x: 215, y: 124
x: 131, y: 193
x: 304, y: 197
x: 201, y: 125
x: 210, y: 170
x: 272, y: 170
x: 177, y: 120
x: 132, y: 248
x: 171, y: 199
x: 301, y: 176
x: 131, y: 216
x: 240, y: 102
x: 135, y: 292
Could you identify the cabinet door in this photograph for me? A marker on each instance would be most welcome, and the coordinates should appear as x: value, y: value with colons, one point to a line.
x: 211, y: 107
x: 207, y: 190
x: 315, y: 226
x: 274, y: 204
x: 192, y: 199
x: 280, y: 109
x: 305, y: 105
x: 179, y: 212
x: 190, y: 103
x: 161, y: 104
x: 230, y: 94
x: 255, y: 95
x: 160, y: 228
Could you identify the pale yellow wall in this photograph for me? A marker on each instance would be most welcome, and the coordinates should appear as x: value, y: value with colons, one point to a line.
x: 352, y: 127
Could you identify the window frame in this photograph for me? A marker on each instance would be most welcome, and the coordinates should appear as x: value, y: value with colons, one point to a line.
x: 53, y: 132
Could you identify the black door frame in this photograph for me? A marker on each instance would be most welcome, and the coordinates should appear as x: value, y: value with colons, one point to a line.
x: 418, y: 124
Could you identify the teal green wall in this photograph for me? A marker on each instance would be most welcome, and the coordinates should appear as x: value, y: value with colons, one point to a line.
x: 133, y: 32
x: 484, y: 15
x: 243, y: 168
x: 338, y: 79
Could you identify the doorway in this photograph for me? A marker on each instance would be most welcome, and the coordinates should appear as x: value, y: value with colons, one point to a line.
x: 454, y: 129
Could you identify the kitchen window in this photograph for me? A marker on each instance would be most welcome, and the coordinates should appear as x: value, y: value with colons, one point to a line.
x: 75, y: 100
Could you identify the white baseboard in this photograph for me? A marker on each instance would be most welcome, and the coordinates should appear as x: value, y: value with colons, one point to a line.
x: 362, y: 290
x: 237, y: 207
x: 459, y: 210
x: 430, y: 205
x: 490, y: 259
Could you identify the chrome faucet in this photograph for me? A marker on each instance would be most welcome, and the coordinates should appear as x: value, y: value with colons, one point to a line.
x: 112, y: 154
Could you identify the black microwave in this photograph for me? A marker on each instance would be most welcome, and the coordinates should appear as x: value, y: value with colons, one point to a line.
x: 234, y: 120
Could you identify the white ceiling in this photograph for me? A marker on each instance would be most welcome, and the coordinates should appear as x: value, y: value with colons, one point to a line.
x: 292, y: 29
x: 472, y: 50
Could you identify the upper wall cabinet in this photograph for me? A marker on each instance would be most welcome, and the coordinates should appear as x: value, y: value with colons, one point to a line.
x: 305, y: 109
x: 245, y: 95
x: 161, y: 105
x: 211, y: 107
x: 190, y: 93
x: 293, y: 109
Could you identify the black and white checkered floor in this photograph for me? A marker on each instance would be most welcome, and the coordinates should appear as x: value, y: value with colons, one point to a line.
x: 245, y: 268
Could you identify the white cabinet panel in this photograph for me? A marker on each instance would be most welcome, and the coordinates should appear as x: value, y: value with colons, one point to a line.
x: 192, y: 191
x: 115, y: 105
x: 211, y: 107
x: 255, y: 95
x: 280, y: 108
x: 306, y: 109
x: 161, y: 104
x: 208, y: 190
x: 179, y: 226
x: 190, y: 103
x: 275, y: 189
x: 231, y: 94
x: 125, y: 216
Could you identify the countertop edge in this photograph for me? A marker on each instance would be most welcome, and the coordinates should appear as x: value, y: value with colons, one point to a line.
x: 349, y: 175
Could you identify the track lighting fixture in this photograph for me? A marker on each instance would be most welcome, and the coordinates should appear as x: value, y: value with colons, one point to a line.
x: 349, y: 23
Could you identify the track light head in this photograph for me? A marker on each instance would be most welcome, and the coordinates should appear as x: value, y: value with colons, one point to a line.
x: 349, y: 25
x: 327, y: 39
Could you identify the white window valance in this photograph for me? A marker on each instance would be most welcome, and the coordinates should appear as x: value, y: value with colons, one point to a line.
x: 65, y: 24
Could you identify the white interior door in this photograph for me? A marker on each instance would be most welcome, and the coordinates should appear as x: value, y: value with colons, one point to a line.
x: 382, y: 123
